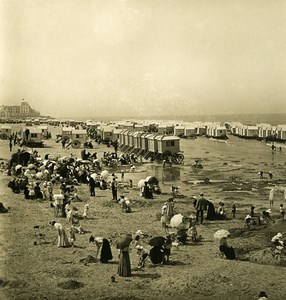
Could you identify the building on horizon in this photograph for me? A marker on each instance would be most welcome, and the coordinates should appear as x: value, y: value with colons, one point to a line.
x: 22, y: 110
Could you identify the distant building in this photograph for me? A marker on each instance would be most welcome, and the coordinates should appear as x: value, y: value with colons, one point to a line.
x: 22, y: 110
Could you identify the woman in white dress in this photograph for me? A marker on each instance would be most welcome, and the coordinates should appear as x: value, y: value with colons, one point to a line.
x: 63, y: 240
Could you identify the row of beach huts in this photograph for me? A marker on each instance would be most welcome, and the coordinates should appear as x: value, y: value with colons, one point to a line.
x: 114, y: 131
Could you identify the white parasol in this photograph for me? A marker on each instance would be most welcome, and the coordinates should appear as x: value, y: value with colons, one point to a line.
x: 94, y: 176
x: 18, y: 167
x: 221, y: 233
x: 141, y: 183
x: 104, y: 174
x: 176, y: 220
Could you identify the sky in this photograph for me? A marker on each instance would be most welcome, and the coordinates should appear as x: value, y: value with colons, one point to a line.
x: 88, y: 58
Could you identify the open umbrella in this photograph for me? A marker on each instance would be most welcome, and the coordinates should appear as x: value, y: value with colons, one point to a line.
x: 176, y: 220
x: 141, y: 183
x: 157, y: 241
x: 18, y: 167
x: 104, y: 174
x: 152, y: 180
x: 94, y: 176
x: 124, y: 241
x: 221, y: 233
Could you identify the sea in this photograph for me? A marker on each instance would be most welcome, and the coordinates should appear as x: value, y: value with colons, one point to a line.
x: 273, y: 119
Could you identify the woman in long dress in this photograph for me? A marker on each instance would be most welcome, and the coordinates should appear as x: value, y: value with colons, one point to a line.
x: 105, y: 254
x: 124, y: 267
x: 63, y: 240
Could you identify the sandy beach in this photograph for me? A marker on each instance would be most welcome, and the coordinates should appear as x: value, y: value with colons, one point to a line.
x: 196, y: 270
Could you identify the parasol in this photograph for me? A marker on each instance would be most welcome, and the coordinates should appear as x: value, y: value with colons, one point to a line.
x: 18, y: 167
x: 176, y: 220
x: 220, y: 234
x: 94, y: 176
x: 157, y: 241
x: 124, y: 241
x: 152, y: 180
x: 104, y: 174
x: 141, y: 183
x: 31, y: 166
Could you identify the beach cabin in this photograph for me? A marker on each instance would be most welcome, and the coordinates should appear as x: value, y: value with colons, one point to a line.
x: 168, y: 144
x: 67, y: 133
x: 170, y: 129
x: 32, y: 137
x: 216, y: 131
x: 138, y: 127
x: 179, y: 130
x: 5, y: 132
x: 250, y: 132
x: 106, y: 133
x: 125, y: 137
x: 162, y: 129
x: 44, y: 129
x: 137, y: 139
x: 201, y: 130
x: 265, y: 131
x: 220, y: 132
x: 78, y: 137
x: 281, y: 132
x: 122, y: 137
x: 144, y: 140
x: 190, y: 131
x: 36, y: 121
x: 130, y: 142
x: 115, y: 134
x: 152, y: 142
x: 92, y: 126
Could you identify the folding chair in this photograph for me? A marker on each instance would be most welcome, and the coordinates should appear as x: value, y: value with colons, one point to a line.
x: 40, y: 237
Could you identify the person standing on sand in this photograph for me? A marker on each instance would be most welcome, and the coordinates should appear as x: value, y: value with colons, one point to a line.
x: 10, y: 145
x: 233, y: 210
x: 91, y: 183
x: 271, y: 198
x: 124, y: 267
x: 201, y: 207
x: 114, y: 189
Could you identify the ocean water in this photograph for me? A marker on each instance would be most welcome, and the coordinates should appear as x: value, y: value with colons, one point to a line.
x: 273, y: 119
x: 223, y: 159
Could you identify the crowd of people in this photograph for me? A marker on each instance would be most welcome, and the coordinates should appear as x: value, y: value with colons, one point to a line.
x: 38, y: 177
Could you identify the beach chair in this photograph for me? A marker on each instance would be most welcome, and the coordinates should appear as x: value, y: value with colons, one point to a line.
x: 40, y: 237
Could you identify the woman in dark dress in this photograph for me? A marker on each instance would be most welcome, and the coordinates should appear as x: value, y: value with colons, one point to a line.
x: 157, y: 255
x: 124, y: 267
x: 226, y: 250
x: 105, y: 254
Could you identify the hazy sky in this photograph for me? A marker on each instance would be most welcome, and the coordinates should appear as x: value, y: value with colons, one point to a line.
x: 79, y: 58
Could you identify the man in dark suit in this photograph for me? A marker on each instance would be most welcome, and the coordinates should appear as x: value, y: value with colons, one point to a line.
x: 201, y: 207
x: 91, y: 183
